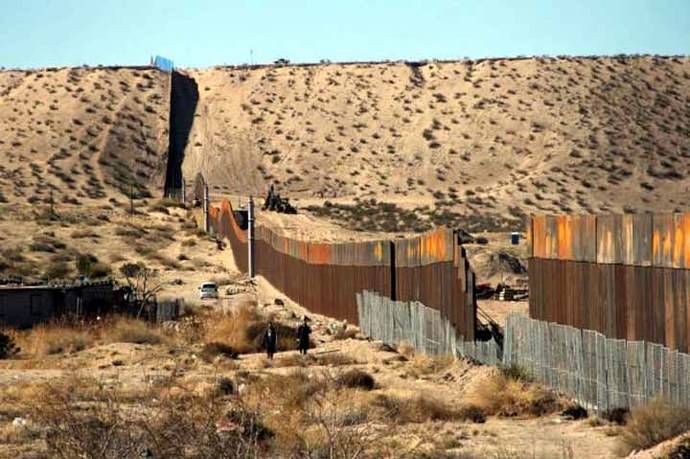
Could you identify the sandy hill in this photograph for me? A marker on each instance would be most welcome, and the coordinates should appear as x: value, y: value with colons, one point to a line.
x: 393, y: 147
x: 86, y: 133
x: 497, y: 137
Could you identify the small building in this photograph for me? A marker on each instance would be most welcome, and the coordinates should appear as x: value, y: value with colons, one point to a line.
x: 25, y: 305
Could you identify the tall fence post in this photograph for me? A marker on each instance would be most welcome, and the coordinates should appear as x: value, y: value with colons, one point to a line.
x: 207, y: 221
x: 250, y: 245
x: 184, y: 191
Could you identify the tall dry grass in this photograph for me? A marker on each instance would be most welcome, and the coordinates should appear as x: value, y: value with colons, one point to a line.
x: 62, y: 337
x: 423, y: 408
x: 501, y: 395
x: 55, y: 338
x: 242, y: 330
x: 231, y: 330
x: 652, y: 423
x: 123, y: 329
x: 422, y: 364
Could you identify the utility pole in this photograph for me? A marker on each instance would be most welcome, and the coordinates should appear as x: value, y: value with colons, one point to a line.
x: 251, y: 268
x: 207, y: 221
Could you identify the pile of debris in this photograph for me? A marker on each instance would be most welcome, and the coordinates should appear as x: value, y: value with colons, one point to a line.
x: 275, y: 203
x: 502, y: 292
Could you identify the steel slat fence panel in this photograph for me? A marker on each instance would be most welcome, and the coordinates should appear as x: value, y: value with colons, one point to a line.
x: 538, y: 236
x: 600, y: 373
x: 636, y: 364
x: 681, y: 233
x: 589, y: 338
x: 662, y: 240
x: 602, y: 381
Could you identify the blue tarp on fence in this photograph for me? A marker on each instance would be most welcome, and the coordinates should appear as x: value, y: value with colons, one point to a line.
x: 162, y: 63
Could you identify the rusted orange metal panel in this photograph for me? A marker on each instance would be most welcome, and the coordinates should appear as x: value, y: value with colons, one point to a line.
x: 564, y: 235
x: 663, y: 226
x: 539, y: 236
x: 325, y: 278
x: 681, y: 241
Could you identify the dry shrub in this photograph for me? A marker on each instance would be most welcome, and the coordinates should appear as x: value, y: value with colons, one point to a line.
x: 406, y: 349
x: 424, y: 408
x: 652, y: 423
x: 231, y: 329
x: 185, y: 425
x: 127, y: 330
x: 11, y: 433
x: 290, y: 392
x: 345, y: 333
x: 499, y: 395
x: 310, y: 415
x: 356, y: 379
x: 334, y: 359
x: 64, y: 336
x: 243, y: 330
x: 55, y: 338
x: 8, y: 347
x: 422, y: 365
x: 19, y: 395
x: 214, y: 349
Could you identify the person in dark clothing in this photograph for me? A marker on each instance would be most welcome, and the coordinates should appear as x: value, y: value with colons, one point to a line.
x: 270, y: 340
x: 303, y: 332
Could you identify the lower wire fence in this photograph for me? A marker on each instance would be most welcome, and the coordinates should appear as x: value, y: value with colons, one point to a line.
x: 600, y: 373
x: 424, y: 328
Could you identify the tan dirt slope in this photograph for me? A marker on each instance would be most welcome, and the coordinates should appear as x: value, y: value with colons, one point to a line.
x: 541, y: 135
x: 85, y: 133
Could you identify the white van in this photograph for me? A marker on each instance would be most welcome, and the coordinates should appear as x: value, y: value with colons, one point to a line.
x: 208, y: 290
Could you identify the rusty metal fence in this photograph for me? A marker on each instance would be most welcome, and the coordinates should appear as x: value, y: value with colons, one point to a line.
x: 626, y: 276
x: 325, y: 277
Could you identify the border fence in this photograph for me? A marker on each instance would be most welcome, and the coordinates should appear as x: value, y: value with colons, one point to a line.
x: 424, y: 328
x: 600, y: 373
x: 626, y: 276
x: 421, y: 290
x: 326, y: 277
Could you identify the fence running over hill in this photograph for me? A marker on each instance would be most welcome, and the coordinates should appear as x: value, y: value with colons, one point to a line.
x: 184, y: 97
x: 600, y: 373
x: 325, y: 278
x: 626, y: 276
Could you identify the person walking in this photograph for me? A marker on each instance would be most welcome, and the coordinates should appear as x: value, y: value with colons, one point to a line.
x: 270, y: 340
x: 303, y: 332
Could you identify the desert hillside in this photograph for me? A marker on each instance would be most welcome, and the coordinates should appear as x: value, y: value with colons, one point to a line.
x: 453, y: 139
x: 85, y: 133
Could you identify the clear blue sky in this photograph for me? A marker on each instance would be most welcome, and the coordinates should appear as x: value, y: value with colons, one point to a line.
x: 200, y: 33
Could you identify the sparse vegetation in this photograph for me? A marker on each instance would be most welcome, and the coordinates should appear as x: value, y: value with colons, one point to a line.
x: 652, y: 423
x: 503, y: 395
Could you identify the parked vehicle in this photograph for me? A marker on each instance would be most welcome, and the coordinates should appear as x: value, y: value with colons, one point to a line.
x: 208, y: 290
